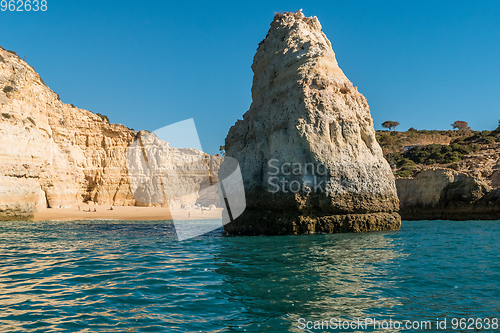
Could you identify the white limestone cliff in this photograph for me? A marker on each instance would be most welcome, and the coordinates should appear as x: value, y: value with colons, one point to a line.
x: 53, y: 154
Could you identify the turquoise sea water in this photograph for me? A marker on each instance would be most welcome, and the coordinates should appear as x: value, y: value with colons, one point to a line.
x: 136, y: 277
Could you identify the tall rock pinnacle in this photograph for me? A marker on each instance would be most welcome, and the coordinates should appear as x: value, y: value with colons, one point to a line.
x: 307, y: 148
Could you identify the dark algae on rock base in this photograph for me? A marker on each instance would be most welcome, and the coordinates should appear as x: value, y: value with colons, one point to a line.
x: 306, y: 147
x: 258, y: 222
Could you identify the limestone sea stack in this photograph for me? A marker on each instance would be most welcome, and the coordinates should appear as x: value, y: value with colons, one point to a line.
x: 307, y: 150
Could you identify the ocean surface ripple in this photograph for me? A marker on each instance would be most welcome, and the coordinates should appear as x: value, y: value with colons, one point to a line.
x: 112, y: 276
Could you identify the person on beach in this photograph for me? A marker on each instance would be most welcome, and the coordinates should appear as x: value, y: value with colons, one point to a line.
x: 95, y: 211
x: 189, y: 215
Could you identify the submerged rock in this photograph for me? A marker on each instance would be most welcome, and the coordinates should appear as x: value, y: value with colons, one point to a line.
x: 307, y: 148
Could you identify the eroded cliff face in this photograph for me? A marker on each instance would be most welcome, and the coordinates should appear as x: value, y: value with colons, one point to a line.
x: 165, y: 176
x: 306, y: 147
x: 54, y: 154
x: 483, y: 164
x: 445, y: 194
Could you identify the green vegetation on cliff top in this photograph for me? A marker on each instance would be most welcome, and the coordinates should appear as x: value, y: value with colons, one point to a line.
x: 406, y: 150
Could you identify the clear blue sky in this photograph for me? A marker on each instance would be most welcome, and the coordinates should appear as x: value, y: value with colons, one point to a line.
x: 147, y: 64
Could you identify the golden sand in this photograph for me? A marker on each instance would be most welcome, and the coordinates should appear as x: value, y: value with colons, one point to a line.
x: 130, y: 213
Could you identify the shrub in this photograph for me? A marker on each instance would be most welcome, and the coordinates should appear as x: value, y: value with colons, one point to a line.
x: 386, y: 140
x: 404, y: 173
x: 6, y: 115
x: 406, y: 167
x: 405, y: 163
x: 489, y: 139
x: 495, y: 132
x: 12, y: 52
x: 485, y: 133
x: 8, y: 89
x: 103, y: 117
x: 2, y: 59
x: 430, y: 154
x: 452, y: 159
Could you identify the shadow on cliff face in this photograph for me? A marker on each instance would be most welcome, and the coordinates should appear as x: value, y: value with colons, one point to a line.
x: 445, y: 194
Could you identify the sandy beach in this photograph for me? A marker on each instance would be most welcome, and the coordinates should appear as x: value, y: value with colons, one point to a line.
x: 129, y: 213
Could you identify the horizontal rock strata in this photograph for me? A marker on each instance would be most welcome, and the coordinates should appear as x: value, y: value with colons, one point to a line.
x: 445, y: 194
x: 57, y: 155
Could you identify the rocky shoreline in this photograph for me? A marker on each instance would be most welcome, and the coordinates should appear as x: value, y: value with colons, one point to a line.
x: 446, y: 194
x: 445, y: 175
